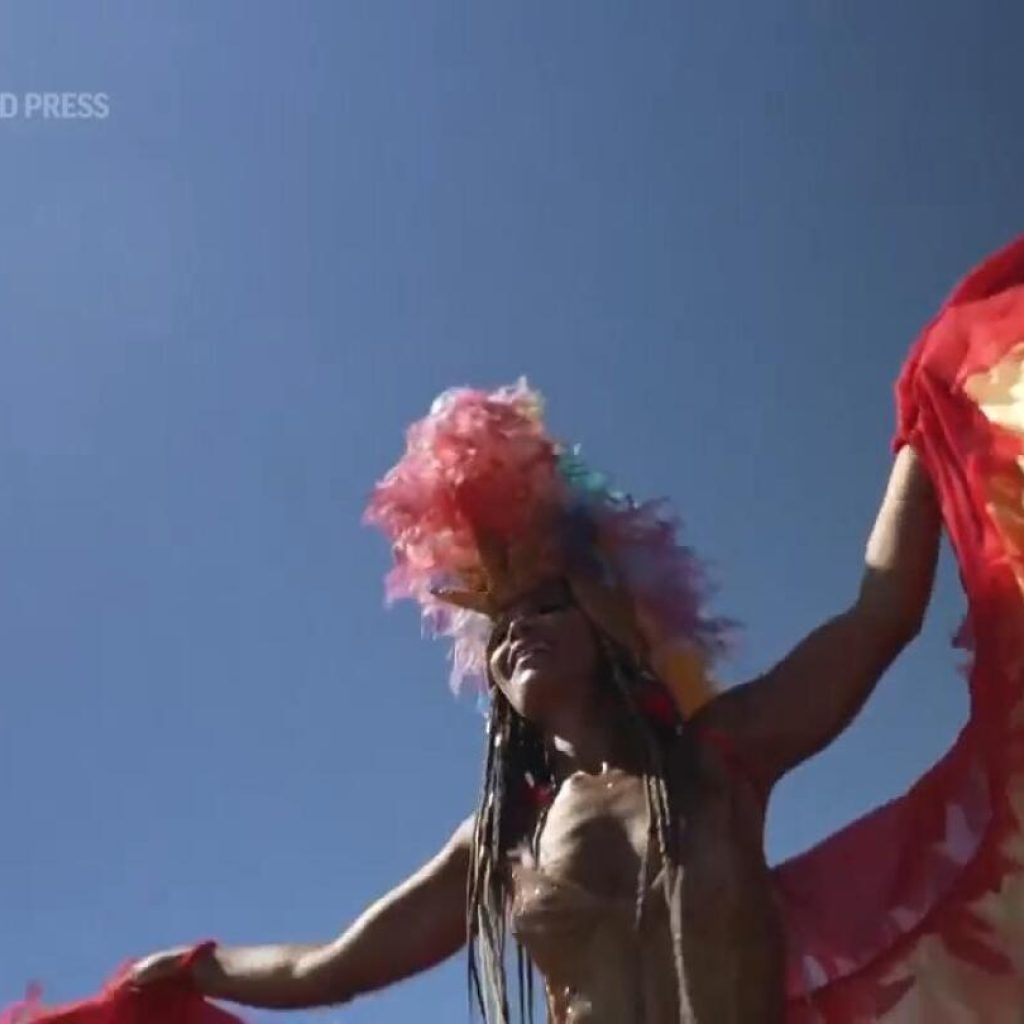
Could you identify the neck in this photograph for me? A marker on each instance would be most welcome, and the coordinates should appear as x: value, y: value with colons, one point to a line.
x: 591, y: 741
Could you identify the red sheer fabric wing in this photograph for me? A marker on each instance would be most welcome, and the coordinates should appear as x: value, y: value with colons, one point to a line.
x: 915, y: 913
x: 162, y: 1003
x: 153, y: 1006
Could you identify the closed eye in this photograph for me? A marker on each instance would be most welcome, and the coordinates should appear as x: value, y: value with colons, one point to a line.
x: 502, y: 625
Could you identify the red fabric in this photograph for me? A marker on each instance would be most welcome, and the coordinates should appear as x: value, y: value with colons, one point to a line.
x: 166, y: 1002
x: 913, y: 912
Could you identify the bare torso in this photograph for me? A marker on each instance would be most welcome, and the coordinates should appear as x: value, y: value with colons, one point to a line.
x: 574, y: 908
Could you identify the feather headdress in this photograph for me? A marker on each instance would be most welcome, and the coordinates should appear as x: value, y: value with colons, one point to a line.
x: 484, y: 505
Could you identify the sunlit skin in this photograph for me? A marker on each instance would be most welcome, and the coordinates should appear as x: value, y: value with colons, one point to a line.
x: 545, y: 661
x: 547, y: 664
x: 543, y: 655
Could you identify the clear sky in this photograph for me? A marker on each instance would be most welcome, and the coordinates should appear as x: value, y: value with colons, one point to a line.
x: 708, y: 233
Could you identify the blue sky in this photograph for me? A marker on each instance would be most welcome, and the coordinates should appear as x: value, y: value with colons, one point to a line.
x: 708, y: 233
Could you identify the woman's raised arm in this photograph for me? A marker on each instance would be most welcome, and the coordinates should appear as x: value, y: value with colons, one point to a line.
x: 415, y: 926
x: 799, y: 706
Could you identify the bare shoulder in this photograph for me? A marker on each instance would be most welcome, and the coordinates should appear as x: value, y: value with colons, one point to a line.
x: 450, y: 863
x: 727, y: 711
x: 460, y: 843
x: 716, y: 751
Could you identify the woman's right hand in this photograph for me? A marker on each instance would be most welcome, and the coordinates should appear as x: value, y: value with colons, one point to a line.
x: 168, y: 964
x: 418, y: 924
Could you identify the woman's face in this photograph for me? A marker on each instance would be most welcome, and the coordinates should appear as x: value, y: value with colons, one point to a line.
x: 544, y: 655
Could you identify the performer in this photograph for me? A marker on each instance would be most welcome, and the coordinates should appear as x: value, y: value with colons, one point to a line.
x: 622, y: 844
x: 619, y: 830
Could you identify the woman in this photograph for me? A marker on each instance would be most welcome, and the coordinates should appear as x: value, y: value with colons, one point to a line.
x: 620, y: 828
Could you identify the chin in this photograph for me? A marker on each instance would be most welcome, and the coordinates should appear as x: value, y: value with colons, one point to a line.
x: 532, y: 693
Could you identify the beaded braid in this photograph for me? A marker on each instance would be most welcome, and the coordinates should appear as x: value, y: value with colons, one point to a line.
x: 662, y: 803
x: 516, y: 766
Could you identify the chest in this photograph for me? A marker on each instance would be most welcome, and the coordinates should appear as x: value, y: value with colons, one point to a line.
x: 596, y: 832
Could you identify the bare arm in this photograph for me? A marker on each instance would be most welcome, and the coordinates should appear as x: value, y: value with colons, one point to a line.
x: 415, y: 926
x: 799, y: 706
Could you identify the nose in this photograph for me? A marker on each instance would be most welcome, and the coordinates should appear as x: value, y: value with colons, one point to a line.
x: 523, y: 627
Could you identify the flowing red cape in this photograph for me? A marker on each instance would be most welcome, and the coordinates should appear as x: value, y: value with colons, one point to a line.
x: 915, y: 913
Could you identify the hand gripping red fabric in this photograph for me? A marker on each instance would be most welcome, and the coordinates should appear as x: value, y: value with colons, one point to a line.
x: 165, y: 1002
